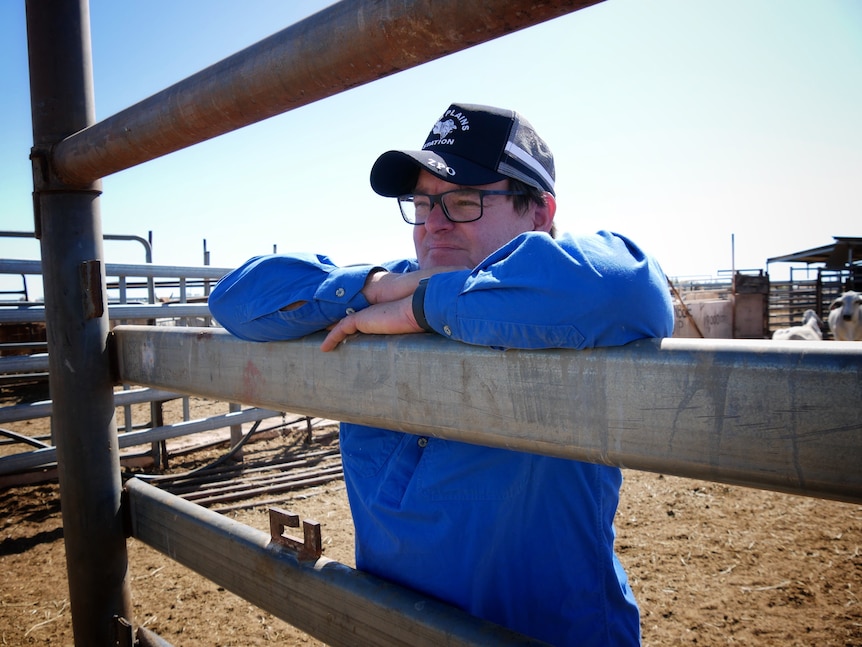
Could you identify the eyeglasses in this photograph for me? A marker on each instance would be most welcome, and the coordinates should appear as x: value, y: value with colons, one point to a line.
x: 460, y: 205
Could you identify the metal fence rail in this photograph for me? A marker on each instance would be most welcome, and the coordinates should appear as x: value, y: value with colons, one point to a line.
x: 337, y: 604
x: 11, y: 266
x: 172, y: 311
x: 35, y: 363
x: 148, y: 255
x: 48, y: 455
x: 181, y: 275
x: 43, y: 409
x: 780, y: 417
x: 343, y: 46
x: 773, y: 415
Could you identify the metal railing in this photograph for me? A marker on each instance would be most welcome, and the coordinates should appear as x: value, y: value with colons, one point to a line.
x: 290, y: 69
x: 775, y: 415
x: 147, y: 245
x: 27, y: 367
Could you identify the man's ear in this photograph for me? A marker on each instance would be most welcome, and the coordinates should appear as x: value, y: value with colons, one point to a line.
x: 543, y: 215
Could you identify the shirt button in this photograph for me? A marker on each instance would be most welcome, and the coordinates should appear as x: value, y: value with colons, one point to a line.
x: 447, y: 330
x: 350, y: 311
x: 339, y: 292
x: 422, y: 442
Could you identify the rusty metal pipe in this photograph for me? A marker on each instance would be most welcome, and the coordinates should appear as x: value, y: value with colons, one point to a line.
x: 341, y: 47
x: 69, y: 227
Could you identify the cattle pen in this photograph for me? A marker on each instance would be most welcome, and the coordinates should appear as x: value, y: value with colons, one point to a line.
x: 779, y: 416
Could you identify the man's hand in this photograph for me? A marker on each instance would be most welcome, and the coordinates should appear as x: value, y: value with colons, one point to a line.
x: 383, y: 286
x: 391, y: 309
x: 390, y: 318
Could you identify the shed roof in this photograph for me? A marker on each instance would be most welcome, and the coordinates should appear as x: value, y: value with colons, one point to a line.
x: 842, y: 253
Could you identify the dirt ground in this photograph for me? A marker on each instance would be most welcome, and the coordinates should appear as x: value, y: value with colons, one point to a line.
x: 710, y: 564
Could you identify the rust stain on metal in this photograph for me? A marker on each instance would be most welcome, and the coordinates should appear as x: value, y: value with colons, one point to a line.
x: 309, y: 548
x: 252, y: 378
x: 346, y: 45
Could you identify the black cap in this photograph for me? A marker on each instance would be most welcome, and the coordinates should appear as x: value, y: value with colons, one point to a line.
x: 470, y: 145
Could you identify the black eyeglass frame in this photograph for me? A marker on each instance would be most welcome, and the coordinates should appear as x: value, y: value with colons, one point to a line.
x: 437, y: 198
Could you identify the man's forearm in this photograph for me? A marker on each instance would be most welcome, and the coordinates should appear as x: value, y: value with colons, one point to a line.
x: 390, y: 318
x: 382, y: 286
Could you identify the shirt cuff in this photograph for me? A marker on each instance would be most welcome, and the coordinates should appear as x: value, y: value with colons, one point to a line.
x: 340, y: 293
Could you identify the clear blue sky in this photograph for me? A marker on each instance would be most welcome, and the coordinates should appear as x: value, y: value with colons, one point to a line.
x: 680, y: 123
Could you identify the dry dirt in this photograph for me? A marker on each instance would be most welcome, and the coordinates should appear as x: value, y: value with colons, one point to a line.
x: 710, y: 564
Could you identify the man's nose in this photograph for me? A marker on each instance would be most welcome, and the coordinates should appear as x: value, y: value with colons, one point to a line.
x: 437, y: 219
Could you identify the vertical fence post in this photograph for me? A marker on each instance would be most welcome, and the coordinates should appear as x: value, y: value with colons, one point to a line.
x: 69, y: 226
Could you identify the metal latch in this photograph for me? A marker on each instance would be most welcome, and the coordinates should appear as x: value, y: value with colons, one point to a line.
x: 310, y: 547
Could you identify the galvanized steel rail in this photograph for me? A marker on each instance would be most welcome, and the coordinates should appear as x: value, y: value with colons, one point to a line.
x: 48, y: 455
x: 331, y: 601
x: 775, y: 415
x: 12, y: 266
x: 44, y: 408
x: 116, y: 312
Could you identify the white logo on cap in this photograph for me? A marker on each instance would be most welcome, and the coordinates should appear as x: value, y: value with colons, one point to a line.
x: 446, y: 126
x: 439, y: 166
x: 460, y: 117
x: 443, y: 128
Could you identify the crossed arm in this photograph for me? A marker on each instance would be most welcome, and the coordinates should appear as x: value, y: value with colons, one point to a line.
x: 391, y: 309
x: 535, y: 292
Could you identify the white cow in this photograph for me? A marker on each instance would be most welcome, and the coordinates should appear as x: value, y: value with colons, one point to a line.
x: 845, y: 317
x: 809, y: 330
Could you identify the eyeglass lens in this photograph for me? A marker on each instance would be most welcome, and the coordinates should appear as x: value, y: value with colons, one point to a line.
x: 464, y: 205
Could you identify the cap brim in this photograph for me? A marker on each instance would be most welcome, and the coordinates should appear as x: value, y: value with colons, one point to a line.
x: 396, y: 172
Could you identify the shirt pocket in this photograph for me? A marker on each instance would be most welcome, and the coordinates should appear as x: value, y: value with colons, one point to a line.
x: 366, y: 450
x: 453, y: 471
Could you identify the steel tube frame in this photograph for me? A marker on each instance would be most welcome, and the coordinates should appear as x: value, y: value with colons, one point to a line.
x: 326, y: 599
x: 27, y: 314
x: 341, y: 47
x: 68, y: 225
x: 35, y: 363
x: 48, y: 455
x: 148, y: 248
x: 12, y: 266
x: 44, y: 408
x: 774, y: 415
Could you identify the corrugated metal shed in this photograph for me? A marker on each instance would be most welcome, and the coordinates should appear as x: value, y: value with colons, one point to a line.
x: 841, y: 254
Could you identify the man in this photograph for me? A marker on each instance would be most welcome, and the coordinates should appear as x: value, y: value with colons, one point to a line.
x: 522, y: 540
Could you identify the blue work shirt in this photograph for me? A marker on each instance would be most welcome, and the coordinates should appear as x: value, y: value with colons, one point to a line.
x: 523, y: 540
